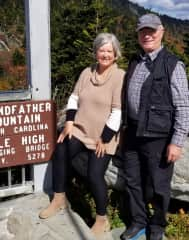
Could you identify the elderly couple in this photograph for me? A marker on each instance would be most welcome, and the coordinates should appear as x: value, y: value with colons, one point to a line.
x: 156, y: 111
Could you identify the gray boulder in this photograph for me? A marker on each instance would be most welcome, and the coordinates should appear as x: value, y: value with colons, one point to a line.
x: 180, y: 180
x: 115, y: 177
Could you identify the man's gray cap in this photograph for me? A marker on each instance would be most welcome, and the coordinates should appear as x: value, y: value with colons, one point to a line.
x: 148, y: 20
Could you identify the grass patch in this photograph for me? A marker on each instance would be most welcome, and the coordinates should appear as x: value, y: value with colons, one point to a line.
x: 178, y: 226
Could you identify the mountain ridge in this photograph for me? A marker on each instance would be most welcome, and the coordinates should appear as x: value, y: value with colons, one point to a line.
x: 175, y: 28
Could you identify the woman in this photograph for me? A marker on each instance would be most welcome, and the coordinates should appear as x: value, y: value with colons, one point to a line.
x: 92, y: 121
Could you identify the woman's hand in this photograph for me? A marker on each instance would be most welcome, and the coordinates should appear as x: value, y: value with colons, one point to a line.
x: 68, y: 128
x: 100, y: 148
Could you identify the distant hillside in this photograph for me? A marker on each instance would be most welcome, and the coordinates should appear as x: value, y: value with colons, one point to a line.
x: 71, y: 41
x: 175, y: 28
x: 12, y: 46
x: 173, y: 24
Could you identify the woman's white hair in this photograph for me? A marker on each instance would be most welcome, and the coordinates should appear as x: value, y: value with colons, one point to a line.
x: 104, y: 38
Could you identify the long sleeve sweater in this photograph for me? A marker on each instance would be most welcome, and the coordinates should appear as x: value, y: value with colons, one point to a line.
x: 98, y: 106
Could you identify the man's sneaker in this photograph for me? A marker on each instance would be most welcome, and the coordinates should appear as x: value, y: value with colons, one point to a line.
x: 132, y: 233
x: 156, y: 236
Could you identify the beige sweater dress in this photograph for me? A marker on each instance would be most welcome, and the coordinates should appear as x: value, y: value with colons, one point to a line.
x: 96, y: 99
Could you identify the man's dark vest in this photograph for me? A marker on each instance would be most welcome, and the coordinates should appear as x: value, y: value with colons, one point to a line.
x: 156, y: 110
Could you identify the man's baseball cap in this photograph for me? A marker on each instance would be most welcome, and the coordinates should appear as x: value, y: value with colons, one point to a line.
x: 148, y: 20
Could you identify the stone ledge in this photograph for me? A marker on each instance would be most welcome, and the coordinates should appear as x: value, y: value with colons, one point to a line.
x: 19, y: 221
x: 115, y: 176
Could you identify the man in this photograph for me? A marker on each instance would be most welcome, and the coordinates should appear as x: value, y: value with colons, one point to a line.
x: 157, y: 119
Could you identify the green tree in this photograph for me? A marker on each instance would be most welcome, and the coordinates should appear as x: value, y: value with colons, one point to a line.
x: 18, y: 58
x: 74, y: 25
x: 186, y: 42
x: 12, y: 22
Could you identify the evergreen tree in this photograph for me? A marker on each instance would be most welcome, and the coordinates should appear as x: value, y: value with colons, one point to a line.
x: 74, y: 25
x: 186, y: 51
x: 18, y: 58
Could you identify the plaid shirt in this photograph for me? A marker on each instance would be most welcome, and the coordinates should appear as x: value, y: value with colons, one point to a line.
x: 180, y: 94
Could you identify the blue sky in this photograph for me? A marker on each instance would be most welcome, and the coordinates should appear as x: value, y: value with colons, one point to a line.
x: 173, y: 8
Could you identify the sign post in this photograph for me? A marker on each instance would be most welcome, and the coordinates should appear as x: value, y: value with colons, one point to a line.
x: 38, y: 32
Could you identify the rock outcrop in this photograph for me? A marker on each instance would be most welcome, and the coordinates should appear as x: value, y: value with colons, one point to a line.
x: 115, y: 176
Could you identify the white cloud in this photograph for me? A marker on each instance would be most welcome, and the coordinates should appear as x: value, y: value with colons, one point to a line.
x: 180, y: 1
x: 139, y: 1
x: 173, y: 8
